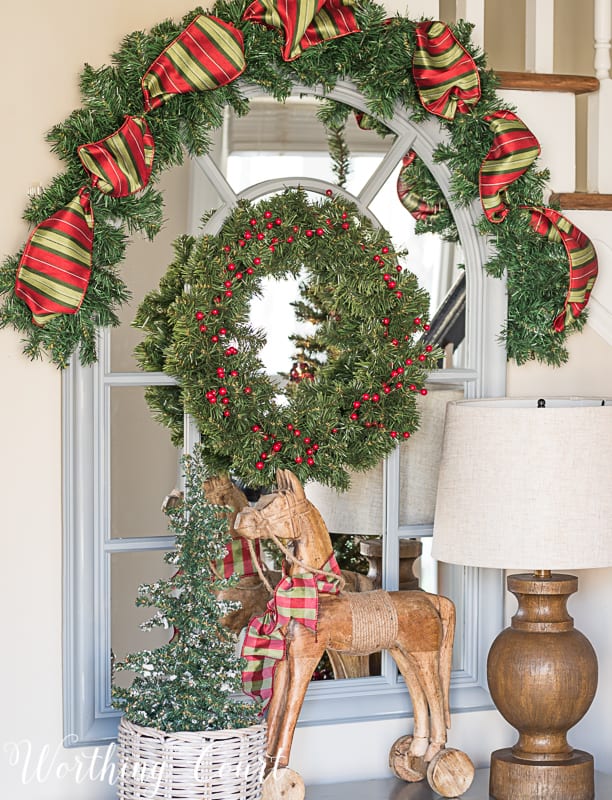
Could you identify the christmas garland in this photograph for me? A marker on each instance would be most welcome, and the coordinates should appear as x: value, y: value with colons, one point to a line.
x: 352, y: 394
x: 145, y: 111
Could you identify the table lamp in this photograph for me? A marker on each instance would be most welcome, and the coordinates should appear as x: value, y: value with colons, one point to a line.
x: 527, y: 484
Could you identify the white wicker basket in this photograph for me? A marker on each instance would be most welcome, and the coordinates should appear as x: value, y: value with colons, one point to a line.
x: 205, y: 765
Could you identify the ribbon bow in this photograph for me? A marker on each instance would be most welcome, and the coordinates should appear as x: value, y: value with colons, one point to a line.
x: 237, y: 559
x: 295, y: 597
x: 304, y: 23
x: 53, y: 272
x: 513, y: 151
x: 581, y: 256
x: 411, y: 200
x: 445, y: 74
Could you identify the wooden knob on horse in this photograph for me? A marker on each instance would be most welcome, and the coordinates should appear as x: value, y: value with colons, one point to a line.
x: 283, y: 784
x: 406, y: 767
x: 450, y: 772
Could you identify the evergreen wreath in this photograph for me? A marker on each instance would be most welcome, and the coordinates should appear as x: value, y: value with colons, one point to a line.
x: 350, y: 396
x: 377, y: 57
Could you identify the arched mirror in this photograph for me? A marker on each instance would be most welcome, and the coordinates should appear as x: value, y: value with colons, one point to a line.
x: 390, y: 508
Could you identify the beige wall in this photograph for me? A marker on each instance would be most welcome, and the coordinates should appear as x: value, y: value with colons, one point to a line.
x: 40, y: 70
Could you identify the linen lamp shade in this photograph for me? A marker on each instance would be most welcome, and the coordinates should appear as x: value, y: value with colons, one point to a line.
x: 522, y: 487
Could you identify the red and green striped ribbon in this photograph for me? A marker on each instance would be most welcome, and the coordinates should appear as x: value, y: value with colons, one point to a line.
x: 238, y: 560
x: 513, y: 151
x: 304, y: 22
x: 581, y: 257
x: 53, y: 272
x: 445, y: 74
x: 410, y: 199
x: 121, y: 163
x: 295, y: 597
x: 209, y: 53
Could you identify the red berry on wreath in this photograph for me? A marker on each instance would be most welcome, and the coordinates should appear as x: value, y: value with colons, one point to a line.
x: 247, y: 235
x: 260, y: 465
x: 328, y: 193
x: 320, y: 231
x: 417, y: 320
x: 345, y: 226
x: 269, y: 225
x: 222, y: 331
x: 356, y: 404
x: 239, y: 276
x: 309, y: 233
x: 386, y: 277
x: 278, y: 221
x: 214, y: 338
x: 255, y: 428
x: 386, y: 321
x: 297, y: 432
x: 227, y: 413
x: 375, y: 398
x: 233, y: 373
x: 365, y: 396
x: 423, y: 392
x: 228, y: 293
x: 298, y: 459
x: 257, y: 261
x: 354, y: 415
x: 222, y: 391
x: 429, y: 348
x: 391, y: 284
x: 203, y: 328
x: 199, y: 315
x: 277, y: 446
x: 231, y: 267
x: 426, y: 327
x: 247, y: 390
x: 406, y: 434
x: 225, y: 401
x: 310, y: 461
x: 267, y: 214
x: 422, y: 357
x: 393, y: 434
x: 214, y: 312
x: 385, y: 250
x: 241, y: 243
x: 261, y: 236
x: 408, y: 362
x: 253, y: 222
x: 249, y: 270
x: 289, y: 239
x: 399, y: 295
x: 226, y: 248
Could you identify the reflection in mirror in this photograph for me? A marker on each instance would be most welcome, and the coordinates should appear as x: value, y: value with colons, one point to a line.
x: 128, y: 572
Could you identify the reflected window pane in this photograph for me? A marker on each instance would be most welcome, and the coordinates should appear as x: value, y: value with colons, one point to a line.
x: 128, y: 572
x: 146, y: 262
x: 144, y: 466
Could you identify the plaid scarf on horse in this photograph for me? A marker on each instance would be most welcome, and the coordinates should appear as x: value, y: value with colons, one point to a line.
x: 295, y: 597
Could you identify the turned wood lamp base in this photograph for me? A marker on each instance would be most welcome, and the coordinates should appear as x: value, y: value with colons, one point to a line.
x: 542, y: 675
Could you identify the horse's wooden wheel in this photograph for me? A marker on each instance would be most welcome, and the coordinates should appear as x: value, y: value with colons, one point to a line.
x: 450, y: 772
x: 406, y: 767
x: 283, y: 784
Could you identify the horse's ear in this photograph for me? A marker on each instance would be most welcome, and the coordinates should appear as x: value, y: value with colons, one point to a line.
x: 282, y: 481
x: 294, y: 484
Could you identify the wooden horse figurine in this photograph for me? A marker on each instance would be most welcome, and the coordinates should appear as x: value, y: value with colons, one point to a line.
x: 417, y: 628
x: 254, y: 591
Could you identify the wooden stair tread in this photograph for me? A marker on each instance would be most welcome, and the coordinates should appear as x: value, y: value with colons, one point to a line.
x: 582, y: 201
x: 547, y: 82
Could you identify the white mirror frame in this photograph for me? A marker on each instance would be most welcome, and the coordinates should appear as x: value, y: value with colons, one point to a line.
x: 88, y: 715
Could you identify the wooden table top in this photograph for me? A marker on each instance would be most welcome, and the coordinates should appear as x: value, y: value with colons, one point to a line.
x: 394, y: 789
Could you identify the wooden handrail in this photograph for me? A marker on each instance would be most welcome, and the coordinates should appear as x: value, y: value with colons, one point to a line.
x: 582, y: 201
x: 547, y: 82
